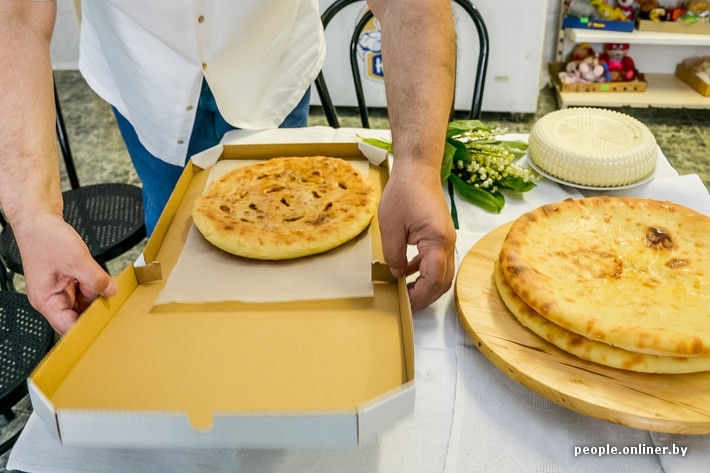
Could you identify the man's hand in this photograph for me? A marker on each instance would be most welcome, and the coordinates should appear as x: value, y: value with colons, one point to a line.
x: 413, y: 211
x: 61, y: 276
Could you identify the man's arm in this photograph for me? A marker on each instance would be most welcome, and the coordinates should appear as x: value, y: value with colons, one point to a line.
x: 61, y: 276
x: 419, y: 57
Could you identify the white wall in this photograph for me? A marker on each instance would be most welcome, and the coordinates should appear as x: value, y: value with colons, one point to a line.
x: 65, y: 44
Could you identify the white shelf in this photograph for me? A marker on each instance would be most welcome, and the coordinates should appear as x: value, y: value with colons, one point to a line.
x: 580, y: 35
x: 663, y: 91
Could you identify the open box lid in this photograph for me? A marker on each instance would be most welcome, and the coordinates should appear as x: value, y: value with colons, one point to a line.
x: 323, y: 373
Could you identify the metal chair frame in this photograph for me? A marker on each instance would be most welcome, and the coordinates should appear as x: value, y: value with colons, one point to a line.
x: 322, y: 88
x: 25, y: 338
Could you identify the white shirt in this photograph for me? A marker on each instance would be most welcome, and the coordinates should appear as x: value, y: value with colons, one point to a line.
x: 148, y: 57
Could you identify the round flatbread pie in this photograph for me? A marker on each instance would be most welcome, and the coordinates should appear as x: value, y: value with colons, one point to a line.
x: 631, y: 273
x: 597, y: 352
x: 286, y: 207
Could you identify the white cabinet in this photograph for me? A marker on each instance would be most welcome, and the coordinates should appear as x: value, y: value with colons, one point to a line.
x: 655, y: 54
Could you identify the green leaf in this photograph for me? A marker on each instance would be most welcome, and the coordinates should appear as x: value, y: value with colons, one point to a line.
x: 377, y: 142
x: 447, y: 162
x: 515, y: 183
x: 462, y: 126
x: 480, y: 197
x: 453, y: 151
x: 516, y: 147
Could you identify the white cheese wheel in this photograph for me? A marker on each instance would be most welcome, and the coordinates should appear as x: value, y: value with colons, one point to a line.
x: 593, y: 147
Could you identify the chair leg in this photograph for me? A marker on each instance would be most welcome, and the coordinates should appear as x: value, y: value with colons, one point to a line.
x: 9, y: 443
x: 63, y: 139
x: 6, y: 283
x: 9, y: 415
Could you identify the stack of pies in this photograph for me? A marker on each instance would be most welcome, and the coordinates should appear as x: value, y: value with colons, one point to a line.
x: 286, y: 207
x: 623, y: 282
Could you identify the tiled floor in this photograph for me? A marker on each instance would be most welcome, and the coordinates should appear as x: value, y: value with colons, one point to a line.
x: 683, y: 135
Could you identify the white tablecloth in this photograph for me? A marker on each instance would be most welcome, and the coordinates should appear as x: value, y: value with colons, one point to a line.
x: 468, y: 417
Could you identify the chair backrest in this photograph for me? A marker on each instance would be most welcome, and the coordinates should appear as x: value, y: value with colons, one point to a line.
x: 329, y: 108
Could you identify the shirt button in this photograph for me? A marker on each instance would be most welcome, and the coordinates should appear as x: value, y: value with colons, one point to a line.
x: 204, y: 66
x: 180, y: 142
x: 200, y: 19
x: 189, y: 107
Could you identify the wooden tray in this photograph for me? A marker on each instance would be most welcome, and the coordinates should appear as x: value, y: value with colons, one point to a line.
x: 637, y: 85
x: 677, y: 404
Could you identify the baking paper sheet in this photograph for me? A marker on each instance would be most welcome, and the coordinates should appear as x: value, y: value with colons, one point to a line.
x: 204, y: 273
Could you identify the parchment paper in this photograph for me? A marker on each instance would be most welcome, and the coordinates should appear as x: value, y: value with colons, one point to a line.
x: 205, y: 273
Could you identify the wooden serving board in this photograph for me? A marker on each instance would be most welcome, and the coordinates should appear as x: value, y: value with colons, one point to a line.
x: 677, y: 404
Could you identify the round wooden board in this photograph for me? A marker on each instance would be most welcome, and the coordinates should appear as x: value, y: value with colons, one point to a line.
x: 677, y: 404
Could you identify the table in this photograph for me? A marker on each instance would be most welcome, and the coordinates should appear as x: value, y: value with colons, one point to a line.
x: 468, y: 416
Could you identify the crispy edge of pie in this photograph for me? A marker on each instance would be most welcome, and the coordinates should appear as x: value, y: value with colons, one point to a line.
x: 523, y: 279
x: 590, y: 350
x: 248, y: 241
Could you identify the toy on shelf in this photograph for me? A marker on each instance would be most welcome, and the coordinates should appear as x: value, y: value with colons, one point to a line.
x: 650, y: 10
x: 689, y: 17
x: 583, y: 65
x: 597, y: 10
x: 696, y: 11
x: 626, y: 6
x: 609, y: 12
x: 597, y: 14
x: 582, y: 9
x: 619, y: 66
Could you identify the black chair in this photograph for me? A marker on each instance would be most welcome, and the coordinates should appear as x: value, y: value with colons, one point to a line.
x: 25, y: 338
x: 108, y: 216
x: 329, y: 108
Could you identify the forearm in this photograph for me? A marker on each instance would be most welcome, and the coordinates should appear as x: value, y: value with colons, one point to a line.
x: 29, y: 169
x: 419, y: 56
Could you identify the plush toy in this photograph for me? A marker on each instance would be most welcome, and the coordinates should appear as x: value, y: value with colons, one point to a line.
x: 619, y: 66
x: 696, y: 11
x: 590, y: 69
x: 580, y: 51
x: 608, y: 12
x: 582, y: 9
x: 583, y: 65
x: 626, y: 6
x: 650, y: 10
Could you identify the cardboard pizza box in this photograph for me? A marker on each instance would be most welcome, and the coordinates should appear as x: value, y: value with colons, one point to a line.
x: 331, y: 373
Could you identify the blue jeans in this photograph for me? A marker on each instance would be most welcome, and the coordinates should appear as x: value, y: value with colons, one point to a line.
x: 158, y: 177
